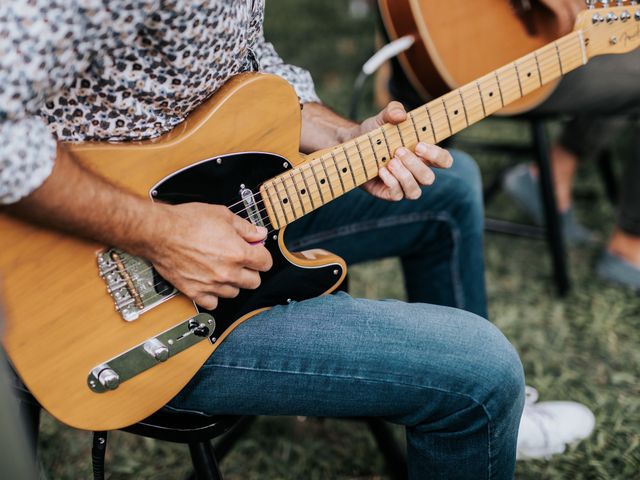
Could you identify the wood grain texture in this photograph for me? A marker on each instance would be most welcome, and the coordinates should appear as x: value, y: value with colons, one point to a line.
x: 61, y: 320
x: 462, y: 41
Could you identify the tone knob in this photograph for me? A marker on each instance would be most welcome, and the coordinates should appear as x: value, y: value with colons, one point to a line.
x: 156, y: 349
x: 108, y: 378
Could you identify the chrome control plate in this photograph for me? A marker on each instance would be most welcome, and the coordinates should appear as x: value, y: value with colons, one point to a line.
x: 150, y: 353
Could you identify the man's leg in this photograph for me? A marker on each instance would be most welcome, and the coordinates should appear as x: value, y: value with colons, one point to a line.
x: 449, y: 376
x: 439, y: 237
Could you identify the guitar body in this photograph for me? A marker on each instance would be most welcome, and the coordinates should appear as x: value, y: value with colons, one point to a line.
x: 62, y: 323
x: 458, y: 42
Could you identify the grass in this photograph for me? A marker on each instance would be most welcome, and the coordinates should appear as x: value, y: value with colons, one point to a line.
x: 583, y: 347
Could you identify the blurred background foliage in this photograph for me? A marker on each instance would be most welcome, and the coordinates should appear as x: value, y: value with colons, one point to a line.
x: 583, y: 347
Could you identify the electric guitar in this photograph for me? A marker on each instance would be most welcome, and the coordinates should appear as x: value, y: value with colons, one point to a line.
x: 102, y: 341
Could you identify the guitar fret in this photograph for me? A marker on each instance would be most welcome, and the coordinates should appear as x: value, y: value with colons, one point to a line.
x: 446, y: 114
x: 499, y: 87
x: 400, y: 134
x: 515, y: 64
x: 386, y: 142
x: 535, y: 55
x: 364, y: 167
x: 346, y: 156
x: 464, y: 107
x: 288, y: 190
x: 415, y: 127
x: 484, y: 110
x: 326, y: 174
x: 313, y: 172
x: 304, y: 180
x: 559, y: 58
x: 435, y: 136
x: 272, y: 203
x: 282, y: 202
x: 335, y: 164
x: 373, y: 149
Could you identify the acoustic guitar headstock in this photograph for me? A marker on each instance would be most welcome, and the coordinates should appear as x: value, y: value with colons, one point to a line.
x: 610, y: 29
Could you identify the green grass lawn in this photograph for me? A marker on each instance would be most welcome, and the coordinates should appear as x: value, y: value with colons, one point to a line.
x: 583, y: 347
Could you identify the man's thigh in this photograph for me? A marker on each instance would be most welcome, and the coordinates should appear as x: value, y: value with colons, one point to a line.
x: 339, y: 356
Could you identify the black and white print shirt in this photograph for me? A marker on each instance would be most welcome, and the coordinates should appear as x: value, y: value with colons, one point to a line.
x: 75, y: 70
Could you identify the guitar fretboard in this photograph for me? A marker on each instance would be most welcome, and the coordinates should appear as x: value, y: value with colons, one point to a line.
x: 324, y: 177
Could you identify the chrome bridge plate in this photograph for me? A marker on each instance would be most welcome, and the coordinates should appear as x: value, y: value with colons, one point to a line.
x: 132, y: 283
x: 127, y: 365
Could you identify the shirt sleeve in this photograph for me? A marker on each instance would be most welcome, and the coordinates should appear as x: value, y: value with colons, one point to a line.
x: 44, y: 44
x: 270, y: 62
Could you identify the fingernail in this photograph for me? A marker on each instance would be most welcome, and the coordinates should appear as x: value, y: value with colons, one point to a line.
x: 394, y: 164
x: 397, y: 111
x: 401, y: 152
x: 421, y: 148
x: 262, y: 231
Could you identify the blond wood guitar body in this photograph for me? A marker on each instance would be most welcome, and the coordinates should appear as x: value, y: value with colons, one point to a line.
x: 61, y: 320
x: 461, y: 41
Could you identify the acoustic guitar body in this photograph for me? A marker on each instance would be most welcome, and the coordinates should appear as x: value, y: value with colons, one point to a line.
x: 458, y: 42
x: 63, y: 332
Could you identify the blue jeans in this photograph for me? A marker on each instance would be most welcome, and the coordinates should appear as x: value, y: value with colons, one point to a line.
x: 447, y: 374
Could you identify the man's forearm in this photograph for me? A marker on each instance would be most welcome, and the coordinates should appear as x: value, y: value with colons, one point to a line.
x: 322, y: 128
x: 76, y: 200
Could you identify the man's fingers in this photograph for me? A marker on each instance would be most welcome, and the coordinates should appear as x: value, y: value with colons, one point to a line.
x: 393, y: 113
x: 247, y: 230
x: 409, y: 185
x: 416, y: 165
x: 394, y: 190
x: 257, y: 257
x: 206, y: 300
x: 434, y: 155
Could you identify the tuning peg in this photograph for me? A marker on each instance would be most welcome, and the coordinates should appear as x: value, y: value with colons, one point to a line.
x: 591, y: 4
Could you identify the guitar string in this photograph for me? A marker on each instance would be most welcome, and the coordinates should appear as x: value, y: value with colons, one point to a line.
x: 556, y: 58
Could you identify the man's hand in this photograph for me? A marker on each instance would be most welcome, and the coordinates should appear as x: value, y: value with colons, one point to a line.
x: 565, y: 12
x: 207, y: 252
x: 204, y: 250
x: 407, y: 170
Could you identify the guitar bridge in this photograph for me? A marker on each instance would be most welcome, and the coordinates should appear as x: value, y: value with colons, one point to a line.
x: 132, y: 282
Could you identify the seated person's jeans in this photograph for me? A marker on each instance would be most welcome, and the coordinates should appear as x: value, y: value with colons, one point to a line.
x: 447, y: 374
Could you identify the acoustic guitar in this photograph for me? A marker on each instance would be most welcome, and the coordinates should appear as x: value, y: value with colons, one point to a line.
x: 456, y: 44
x: 102, y: 341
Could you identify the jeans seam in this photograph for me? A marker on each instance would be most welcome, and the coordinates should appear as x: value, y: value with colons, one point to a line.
x: 392, y: 221
x: 351, y: 377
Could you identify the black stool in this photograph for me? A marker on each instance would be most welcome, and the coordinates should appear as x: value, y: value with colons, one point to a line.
x: 197, y: 431
x: 539, y: 149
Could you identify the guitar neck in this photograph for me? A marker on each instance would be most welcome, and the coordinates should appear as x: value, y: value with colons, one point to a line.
x: 331, y: 173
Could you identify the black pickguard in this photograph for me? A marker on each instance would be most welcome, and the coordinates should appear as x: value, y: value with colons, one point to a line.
x: 218, y: 181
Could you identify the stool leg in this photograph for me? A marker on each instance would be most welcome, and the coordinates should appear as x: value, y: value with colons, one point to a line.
x: 393, y: 455
x: 552, y: 217
x: 98, y: 451
x: 31, y: 416
x: 204, y: 461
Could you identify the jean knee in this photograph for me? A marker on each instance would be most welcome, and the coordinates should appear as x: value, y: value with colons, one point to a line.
x: 500, y: 376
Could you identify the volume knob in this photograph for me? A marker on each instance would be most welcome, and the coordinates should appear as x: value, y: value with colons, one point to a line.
x: 156, y: 349
x: 108, y: 378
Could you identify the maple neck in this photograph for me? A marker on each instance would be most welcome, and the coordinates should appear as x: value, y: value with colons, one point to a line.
x: 334, y: 172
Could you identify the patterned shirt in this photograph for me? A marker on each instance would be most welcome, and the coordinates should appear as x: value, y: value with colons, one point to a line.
x: 76, y: 70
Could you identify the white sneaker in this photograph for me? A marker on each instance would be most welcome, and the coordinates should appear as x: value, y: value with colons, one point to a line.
x: 547, y: 427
